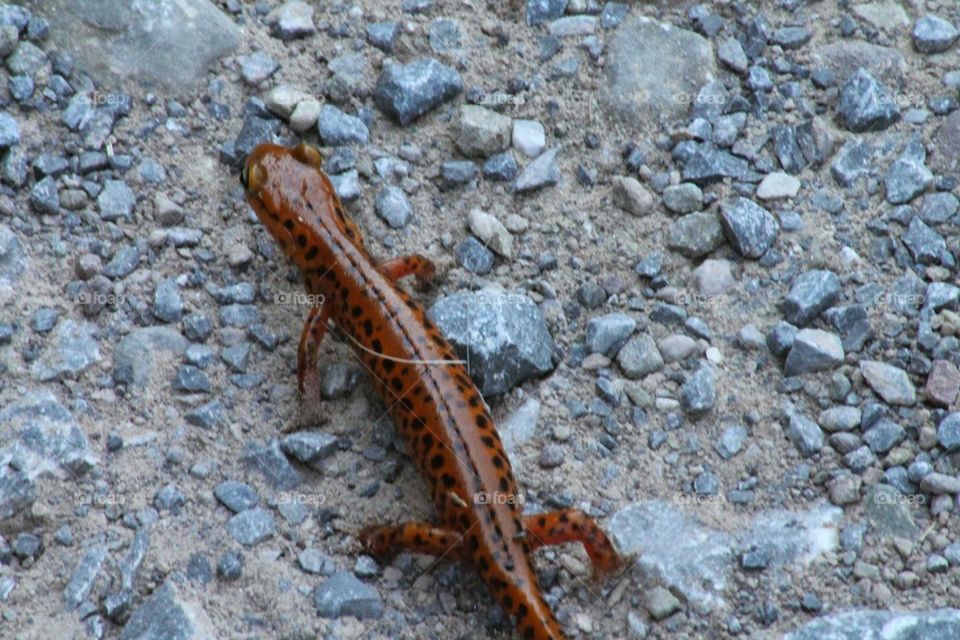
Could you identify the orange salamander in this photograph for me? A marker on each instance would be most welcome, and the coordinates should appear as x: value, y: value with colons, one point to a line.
x: 435, y: 405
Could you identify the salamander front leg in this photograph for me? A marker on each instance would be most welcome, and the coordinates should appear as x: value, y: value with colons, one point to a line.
x: 415, y: 537
x: 573, y: 525
x: 414, y: 264
x: 314, y: 329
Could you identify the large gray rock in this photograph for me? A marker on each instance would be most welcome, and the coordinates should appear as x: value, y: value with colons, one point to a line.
x: 688, y: 557
x: 406, y: 92
x: 502, y: 336
x: 168, y: 615
x: 167, y: 43
x: 866, y: 624
x: 643, y: 91
x: 72, y: 350
x: 136, y: 355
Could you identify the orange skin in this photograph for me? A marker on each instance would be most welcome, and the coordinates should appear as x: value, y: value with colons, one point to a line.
x: 437, y: 410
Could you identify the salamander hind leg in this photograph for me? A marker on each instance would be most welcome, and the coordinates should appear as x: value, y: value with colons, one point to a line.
x: 414, y: 264
x: 415, y: 537
x: 573, y: 525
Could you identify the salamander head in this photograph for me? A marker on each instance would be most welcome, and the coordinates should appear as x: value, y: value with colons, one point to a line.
x: 287, y: 189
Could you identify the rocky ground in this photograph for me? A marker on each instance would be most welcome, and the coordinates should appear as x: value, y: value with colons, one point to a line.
x: 701, y: 258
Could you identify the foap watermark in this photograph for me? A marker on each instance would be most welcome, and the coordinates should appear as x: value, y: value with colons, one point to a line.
x: 699, y: 300
x: 117, y: 101
x: 298, y: 299
x: 913, y: 499
x: 99, y: 298
x: 496, y: 497
x: 498, y: 99
x: 300, y: 497
x: 698, y: 499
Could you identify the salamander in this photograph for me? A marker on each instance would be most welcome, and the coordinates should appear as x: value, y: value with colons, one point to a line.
x: 438, y: 411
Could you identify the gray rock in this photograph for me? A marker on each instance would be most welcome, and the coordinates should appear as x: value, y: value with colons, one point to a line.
x: 884, y: 435
x: 731, y: 441
x: 813, y: 350
x: 866, y: 105
x: 167, y: 303
x: 293, y: 19
x: 501, y: 334
x: 406, y: 92
x: 948, y: 432
x: 731, y: 53
x: 257, y: 67
x: 168, y: 614
x: 236, y: 496
x: 889, y: 382
x: 639, y: 357
x: 230, y: 566
x: 13, y: 260
x: 937, y: 208
x: 660, y: 603
x: 313, y: 561
x: 607, y: 334
x: 472, y: 255
x: 811, y: 293
x: 856, y: 159
x: 787, y: 148
x: 392, y: 206
x: 908, y: 177
x: 750, y: 228
x: 804, y: 433
x: 84, y: 576
x: 940, y: 483
x: 269, y: 460
x: 135, y: 356
x: 840, y: 418
x: 338, y: 380
x: 170, y: 43
x: 925, y: 245
x: 344, y: 595
x: 309, y: 446
x: 699, y: 392
x: 72, y: 350
x: 889, y: 625
x: 383, y: 35
x: 347, y: 185
x: 45, y: 196
x: 521, y: 425
x: 704, y: 163
x: 190, y: 379
x: 685, y: 197
x: 9, y: 130
x: 169, y: 498
x: 695, y: 234
x: 210, y: 415
x: 642, y: 91
x: 252, y: 526
x: 888, y: 512
x: 542, y: 172
x: 790, y: 38
x: 501, y: 166
x: 338, y: 128
x: 933, y: 34
x: 691, y: 559
x: 116, y: 201
x: 481, y: 132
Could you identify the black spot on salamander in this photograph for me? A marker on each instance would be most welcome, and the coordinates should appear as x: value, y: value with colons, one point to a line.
x: 368, y: 329
x: 437, y: 461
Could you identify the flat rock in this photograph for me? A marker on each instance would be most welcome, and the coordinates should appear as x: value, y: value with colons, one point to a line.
x: 888, y: 625
x: 406, y: 92
x: 168, y: 614
x: 136, y: 356
x: 72, y: 349
x: 502, y: 335
x: 166, y: 43
x: 891, y: 383
x: 681, y: 553
x: 639, y: 88
x: 343, y: 594
x: 750, y: 228
x: 813, y: 350
x: 811, y: 293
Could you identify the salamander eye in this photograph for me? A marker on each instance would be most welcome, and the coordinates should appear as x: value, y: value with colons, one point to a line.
x: 308, y: 154
x: 253, y: 177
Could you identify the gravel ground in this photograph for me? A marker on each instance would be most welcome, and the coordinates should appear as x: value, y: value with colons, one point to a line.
x: 701, y: 257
